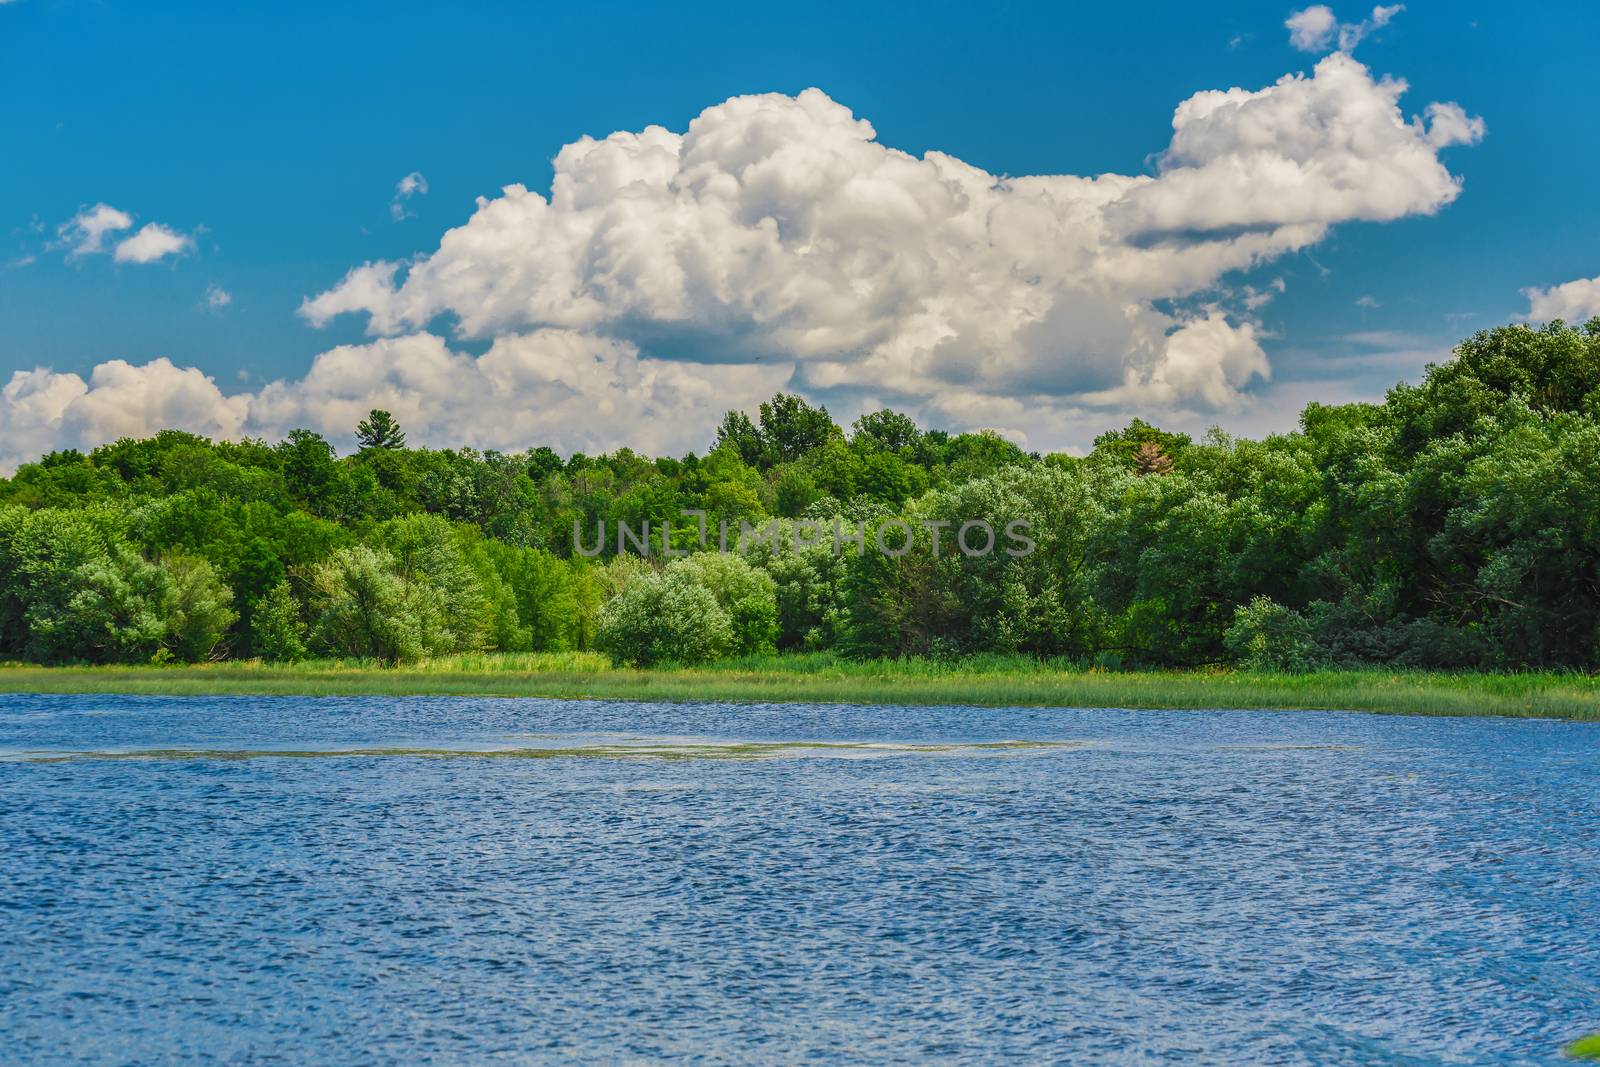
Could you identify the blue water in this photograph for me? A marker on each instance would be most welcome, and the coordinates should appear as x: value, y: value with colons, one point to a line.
x: 1197, y: 887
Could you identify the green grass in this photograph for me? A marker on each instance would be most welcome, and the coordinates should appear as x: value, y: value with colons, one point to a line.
x: 986, y: 681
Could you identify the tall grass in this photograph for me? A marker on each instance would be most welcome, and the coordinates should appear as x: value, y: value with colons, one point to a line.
x: 991, y: 680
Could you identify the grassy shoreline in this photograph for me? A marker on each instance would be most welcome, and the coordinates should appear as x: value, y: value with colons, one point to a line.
x: 986, y: 681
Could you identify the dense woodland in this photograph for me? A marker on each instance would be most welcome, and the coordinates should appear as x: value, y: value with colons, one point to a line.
x: 1454, y: 525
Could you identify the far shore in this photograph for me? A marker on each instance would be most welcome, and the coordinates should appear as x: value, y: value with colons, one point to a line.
x: 987, y: 682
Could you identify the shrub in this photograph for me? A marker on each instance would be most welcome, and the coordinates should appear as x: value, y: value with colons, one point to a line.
x: 747, y: 594
x: 276, y: 631
x: 1266, y: 636
x: 200, y: 610
x: 664, y: 616
x: 364, y: 608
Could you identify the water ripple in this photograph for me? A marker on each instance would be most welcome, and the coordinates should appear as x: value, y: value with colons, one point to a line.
x: 466, y: 881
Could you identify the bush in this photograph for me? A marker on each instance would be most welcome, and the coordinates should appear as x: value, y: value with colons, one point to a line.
x: 747, y: 594
x: 365, y: 609
x: 664, y: 616
x: 200, y: 610
x: 1266, y: 636
x: 72, y: 589
x: 276, y: 631
x: 454, y: 610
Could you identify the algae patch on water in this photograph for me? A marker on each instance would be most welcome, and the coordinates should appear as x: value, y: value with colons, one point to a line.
x: 1585, y: 1048
x: 634, y: 749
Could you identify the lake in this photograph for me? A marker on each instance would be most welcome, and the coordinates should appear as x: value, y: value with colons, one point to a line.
x: 355, y: 880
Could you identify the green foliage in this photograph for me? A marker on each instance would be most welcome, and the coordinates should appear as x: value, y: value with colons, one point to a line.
x: 790, y: 428
x: 696, y: 609
x: 747, y: 595
x: 738, y: 434
x: 1125, y: 446
x: 661, y: 617
x: 416, y: 596
x: 454, y: 610
x: 308, y: 466
x: 276, y: 630
x: 363, y: 608
x: 1266, y: 636
x: 200, y: 610
x: 1455, y: 525
x: 73, y: 589
x: 887, y: 430
x: 1584, y: 1048
x: 379, y: 431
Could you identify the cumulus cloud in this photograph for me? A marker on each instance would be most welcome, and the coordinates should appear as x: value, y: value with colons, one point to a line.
x: 216, y: 297
x: 778, y: 228
x: 413, y: 184
x: 1449, y: 124
x: 1287, y: 161
x: 1316, y: 28
x: 1312, y: 30
x: 85, y: 233
x: 1576, y: 301
x: 557, y: 387
x: 153, y: 242
x: 777, y: 243
x: 41, y: 410
x: 89, y: 232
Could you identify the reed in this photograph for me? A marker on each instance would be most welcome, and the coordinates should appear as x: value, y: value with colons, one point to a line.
x: 824, y: 678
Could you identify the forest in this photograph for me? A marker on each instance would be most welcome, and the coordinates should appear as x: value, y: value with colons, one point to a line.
x: 1454, y: 525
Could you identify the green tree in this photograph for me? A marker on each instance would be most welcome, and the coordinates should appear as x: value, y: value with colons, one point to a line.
x: 1266, y: 636
x: 661, y: 617
x: 364, y: 609
x: 452, y: 607
x: 747, y: 594
x: 71, y: 588
x: 887, y: 430
x: 200, y: 609
x: 276, y: 630
x: 379, y: 431
x: 308, y: 468
x: 790, y: 428
x: 740, y: 435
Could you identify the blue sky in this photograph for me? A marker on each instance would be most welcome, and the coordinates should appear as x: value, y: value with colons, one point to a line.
x: 273, y: 138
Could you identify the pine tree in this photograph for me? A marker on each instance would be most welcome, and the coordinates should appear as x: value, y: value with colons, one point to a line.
x: 379, y: 430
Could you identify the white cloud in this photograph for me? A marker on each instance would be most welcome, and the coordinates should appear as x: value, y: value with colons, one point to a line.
x: 776, y: 243
x: 153, y: 242
x: 31, y: 406
x: 85, y: 233
x: 413, y: 184
x: 42, y: 410
x: 1316, y: 28
x: 557, y: 387
x: 1448, y: 124
x: 1285, y: 162
x: 1576, y: 301
x: 778, y: 228
x: 1313, y: 29
x: 369, y: 289
x: 217, y: 298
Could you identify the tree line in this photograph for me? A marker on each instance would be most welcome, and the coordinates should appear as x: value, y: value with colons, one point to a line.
x: 1454, y: 525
